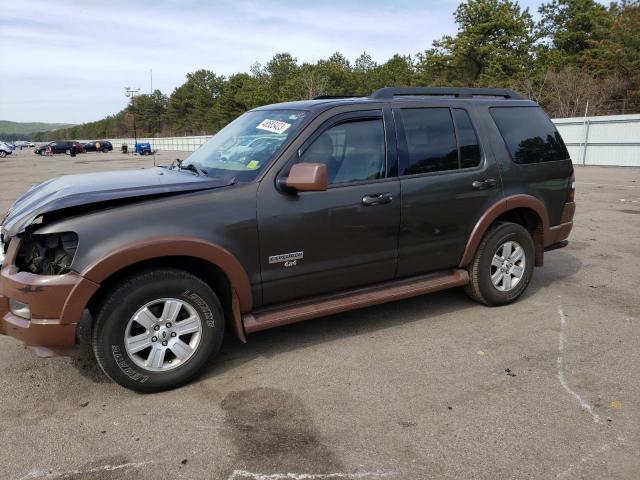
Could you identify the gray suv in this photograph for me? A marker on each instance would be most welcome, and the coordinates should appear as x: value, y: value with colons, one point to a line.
x: 291, y: 212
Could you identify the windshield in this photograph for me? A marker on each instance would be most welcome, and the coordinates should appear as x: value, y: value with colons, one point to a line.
x: 244, y: 147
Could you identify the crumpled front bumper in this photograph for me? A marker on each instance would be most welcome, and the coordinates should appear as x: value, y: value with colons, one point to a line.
x: 56, y: 302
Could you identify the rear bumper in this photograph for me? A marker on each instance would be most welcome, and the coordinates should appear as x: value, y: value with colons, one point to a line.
x: 56, y: 303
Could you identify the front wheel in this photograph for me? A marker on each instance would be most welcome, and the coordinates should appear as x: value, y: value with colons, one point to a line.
x: 3, y: 154
x: 157, y: 330
x: 503, y: 265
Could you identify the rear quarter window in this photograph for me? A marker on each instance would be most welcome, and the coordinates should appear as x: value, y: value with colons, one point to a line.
x: 529, y: 134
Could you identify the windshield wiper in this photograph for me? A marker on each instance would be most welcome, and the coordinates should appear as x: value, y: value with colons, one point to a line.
x: 190, y: 167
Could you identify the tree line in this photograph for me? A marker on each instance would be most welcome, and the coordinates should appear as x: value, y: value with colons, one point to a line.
x: 578, y: 54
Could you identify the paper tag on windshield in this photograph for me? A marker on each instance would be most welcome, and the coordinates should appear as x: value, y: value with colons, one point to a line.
x: 274, y: 126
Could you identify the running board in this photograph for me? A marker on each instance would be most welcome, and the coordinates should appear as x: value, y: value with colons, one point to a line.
x: 297, y: 311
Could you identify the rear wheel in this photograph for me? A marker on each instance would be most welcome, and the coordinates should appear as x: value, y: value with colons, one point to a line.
x: 3, y: 154
x: 105, y: 150
x: 157, y: 330
x: 503, y: 265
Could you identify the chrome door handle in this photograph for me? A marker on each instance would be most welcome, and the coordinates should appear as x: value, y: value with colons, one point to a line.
x: 484, y: 184
x: 377, y: 199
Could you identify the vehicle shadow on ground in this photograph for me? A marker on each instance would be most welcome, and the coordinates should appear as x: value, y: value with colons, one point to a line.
x: 425, y: 308
x: 559, y: 266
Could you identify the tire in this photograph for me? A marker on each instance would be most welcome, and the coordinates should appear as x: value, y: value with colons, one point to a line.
x: 483, y: 270
x: 105, y: 150
x: 3, y: 154
x: 152, y: 290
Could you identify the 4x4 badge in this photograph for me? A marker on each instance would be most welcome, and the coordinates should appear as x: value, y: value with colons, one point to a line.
x: 289, y: 259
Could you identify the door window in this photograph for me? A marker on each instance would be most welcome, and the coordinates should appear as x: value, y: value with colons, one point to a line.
x: 431, y: 140
x: 353, y: 151
x: 467, y: 139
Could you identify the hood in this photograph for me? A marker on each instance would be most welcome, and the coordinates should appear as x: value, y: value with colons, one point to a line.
x: 84, y: 189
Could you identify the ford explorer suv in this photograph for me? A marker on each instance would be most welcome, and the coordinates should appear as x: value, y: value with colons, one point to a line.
x: 293, y: 211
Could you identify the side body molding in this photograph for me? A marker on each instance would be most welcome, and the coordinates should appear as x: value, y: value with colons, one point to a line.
x: 497, y: 209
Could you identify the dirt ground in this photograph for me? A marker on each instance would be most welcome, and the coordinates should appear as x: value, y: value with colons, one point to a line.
x: 432, y: 387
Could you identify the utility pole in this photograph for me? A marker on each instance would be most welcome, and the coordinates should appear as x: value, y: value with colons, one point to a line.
x: 132, y: 92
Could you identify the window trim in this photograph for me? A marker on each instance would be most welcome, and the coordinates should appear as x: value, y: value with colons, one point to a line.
x: 403, y: 152
x: 475, y: 132
x: 504, y: 141
x: 346, y: 117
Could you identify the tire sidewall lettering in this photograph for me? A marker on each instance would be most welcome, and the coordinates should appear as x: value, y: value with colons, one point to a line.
x: 202, y: 305
x: 125, y: 368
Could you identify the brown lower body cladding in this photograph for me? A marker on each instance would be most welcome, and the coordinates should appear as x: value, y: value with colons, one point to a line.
x: 324, y: 305
x: 52, y: 327
x: 561, y: 232
x: 57, y: 302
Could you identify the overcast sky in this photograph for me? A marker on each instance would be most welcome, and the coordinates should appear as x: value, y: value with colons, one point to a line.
x: 69, y: 61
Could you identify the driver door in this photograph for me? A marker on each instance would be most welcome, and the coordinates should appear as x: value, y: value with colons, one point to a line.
x: 347, y: 236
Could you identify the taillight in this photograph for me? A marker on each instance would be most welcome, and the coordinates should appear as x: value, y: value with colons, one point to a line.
x: 572, y: 187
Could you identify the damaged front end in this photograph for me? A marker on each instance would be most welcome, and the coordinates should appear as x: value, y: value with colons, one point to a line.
x: 50, y: 254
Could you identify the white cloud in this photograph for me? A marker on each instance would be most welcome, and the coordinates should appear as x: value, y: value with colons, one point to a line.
x: 69, y: 61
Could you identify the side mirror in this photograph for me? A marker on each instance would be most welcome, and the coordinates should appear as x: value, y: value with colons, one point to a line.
x: 307, y: 177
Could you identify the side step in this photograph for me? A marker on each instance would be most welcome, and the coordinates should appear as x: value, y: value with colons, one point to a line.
x: 297, y: 311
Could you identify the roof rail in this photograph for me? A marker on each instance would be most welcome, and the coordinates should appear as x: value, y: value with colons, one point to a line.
x: 329, y: 97
x: 388, y: 93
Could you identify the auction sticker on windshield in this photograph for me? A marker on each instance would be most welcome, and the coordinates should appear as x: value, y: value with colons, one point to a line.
x: 274, y: 126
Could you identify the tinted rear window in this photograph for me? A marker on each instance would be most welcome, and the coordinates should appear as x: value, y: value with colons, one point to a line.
x: 529, y: 134
x: 431, y: 140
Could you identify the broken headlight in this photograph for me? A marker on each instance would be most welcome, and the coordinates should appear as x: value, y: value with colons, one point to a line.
x: 50, y: 254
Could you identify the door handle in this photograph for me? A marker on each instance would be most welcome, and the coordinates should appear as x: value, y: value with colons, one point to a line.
x: 377, y: 199
x: 484, y: 184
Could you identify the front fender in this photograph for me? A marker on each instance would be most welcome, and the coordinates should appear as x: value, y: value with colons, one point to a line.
x: 160, y: 247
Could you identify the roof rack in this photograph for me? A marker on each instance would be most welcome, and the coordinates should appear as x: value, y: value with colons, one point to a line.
x: 330, y: 97
x: 388, y: 93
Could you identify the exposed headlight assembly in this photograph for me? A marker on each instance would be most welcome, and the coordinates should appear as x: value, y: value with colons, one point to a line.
x: 50, y: 254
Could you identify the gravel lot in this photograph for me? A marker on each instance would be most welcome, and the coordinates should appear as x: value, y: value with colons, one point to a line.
x: 432, y: 387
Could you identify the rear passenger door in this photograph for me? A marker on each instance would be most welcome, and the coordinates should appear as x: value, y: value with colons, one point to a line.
x: 447, y: 181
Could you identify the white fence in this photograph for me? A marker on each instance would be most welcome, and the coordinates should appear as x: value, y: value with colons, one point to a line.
x: 610, y: 140
x: 186, y: 144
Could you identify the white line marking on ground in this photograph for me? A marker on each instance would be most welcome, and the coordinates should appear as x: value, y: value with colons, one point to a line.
x: 69, y: 474
x: 588, y: 457
x: 238, y: 474
x: 608, y: 184
x: 560, y: 364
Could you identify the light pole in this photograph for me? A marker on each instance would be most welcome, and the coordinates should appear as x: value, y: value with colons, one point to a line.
x: 132, y: 92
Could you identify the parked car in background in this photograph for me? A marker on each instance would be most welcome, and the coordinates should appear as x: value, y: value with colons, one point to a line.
x: 60, y: 146
x: 98, y: 145
x: 5, y: 149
